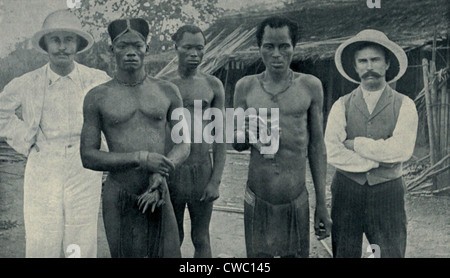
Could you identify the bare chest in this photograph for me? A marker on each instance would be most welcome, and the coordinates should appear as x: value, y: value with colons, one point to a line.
x: 194, y: 92
x: 293, y: 102
x: 124, y: 105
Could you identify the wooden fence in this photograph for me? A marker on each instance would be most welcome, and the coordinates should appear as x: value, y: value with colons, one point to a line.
x: 437, y: 102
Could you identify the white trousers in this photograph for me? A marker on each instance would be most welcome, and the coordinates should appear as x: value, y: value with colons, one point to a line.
x: 61, y: 203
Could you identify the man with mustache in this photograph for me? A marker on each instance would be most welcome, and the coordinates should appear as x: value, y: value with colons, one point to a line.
x: 195, y: 183
x: 369, y: 133
x: 132, y: 110
x: 276, y: 208
x: 61, y: 198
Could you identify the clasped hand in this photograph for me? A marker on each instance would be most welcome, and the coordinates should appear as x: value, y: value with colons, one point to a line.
x: 156, y: 163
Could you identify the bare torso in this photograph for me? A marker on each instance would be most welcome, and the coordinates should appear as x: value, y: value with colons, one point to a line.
x: 282, y: 179
x: 196, y: 88
x: 134, y: 119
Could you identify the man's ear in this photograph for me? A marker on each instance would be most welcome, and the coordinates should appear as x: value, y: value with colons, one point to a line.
x: 388, y: 64
x: 147, y: 49
x: 111, y: 48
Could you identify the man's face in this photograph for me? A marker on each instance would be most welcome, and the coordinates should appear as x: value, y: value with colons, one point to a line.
x: 276, y: 48
x: 190, y: 50
x: 61, y: 47
x: 129, y: 50
x: 371, y: 65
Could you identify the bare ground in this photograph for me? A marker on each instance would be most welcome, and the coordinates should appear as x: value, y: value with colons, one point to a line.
x: 428, y: 218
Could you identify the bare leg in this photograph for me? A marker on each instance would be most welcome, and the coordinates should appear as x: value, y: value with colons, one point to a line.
x: 200, y: 213
x: 179, y: 207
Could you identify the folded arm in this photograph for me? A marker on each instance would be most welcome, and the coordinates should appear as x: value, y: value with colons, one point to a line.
x: 400, y: 146
x: 338, y: 154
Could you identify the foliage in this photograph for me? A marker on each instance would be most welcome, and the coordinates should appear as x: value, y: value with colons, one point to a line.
x: 164, y: 16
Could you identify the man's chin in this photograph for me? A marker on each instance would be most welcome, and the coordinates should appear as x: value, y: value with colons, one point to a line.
x: 62, y: 62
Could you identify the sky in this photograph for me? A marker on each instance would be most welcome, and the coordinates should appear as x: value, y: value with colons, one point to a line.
x: 20, y: 19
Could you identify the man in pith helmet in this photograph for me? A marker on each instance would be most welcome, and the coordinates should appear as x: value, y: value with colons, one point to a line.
x: 369, y: 133
x: 61, y: 198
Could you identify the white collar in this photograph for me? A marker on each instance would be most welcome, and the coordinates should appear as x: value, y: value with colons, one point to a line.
x: 377, y: 92
x: 53, y: 76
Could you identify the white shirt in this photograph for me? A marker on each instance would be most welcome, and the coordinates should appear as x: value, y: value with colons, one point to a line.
x: 371, y: 98
x: 368, y: 153
x: 62, y: 112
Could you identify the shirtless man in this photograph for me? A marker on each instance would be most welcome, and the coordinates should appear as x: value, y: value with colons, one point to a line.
x: 132, y: 111
x: 276, y: 206
x: 196, y: 182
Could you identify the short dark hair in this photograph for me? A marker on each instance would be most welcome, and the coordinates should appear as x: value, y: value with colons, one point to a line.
x: 278, y: 22
x: 363, y: 45
x: 178, y: 36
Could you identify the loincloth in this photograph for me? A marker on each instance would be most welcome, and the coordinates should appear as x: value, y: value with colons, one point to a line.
x: 189, y: 181
x: 277, y: 230
x: 131, y: 233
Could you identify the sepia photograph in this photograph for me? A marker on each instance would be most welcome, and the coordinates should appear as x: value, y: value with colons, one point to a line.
x: 236, y: 130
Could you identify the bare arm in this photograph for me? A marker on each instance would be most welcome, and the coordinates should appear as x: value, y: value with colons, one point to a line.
x: 318, y: 158
x: 179, y: 152
x: 211, y: 191
x: 239, y: 101
x: 219, y: 148
x: 91, y: 155
x: 316, y: 145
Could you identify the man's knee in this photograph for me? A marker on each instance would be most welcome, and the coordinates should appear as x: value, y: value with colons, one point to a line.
x: 200, y: 240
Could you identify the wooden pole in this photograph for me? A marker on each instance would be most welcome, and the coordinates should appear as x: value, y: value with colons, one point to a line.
x: 434, y: 107
x: 428, y: 109
x: 444, y: 118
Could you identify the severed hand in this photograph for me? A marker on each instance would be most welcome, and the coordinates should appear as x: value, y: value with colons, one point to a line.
x: 154, y: 196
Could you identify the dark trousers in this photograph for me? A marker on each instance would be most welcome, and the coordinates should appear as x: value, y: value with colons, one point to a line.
x: 378, y: 211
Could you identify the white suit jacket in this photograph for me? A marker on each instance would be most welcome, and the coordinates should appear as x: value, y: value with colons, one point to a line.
x: 27, y: 91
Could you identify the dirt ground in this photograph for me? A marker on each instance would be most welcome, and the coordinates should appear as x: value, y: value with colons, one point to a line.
x: 428, y: 218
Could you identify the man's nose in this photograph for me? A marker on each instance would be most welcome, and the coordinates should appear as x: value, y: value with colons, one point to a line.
x: 193, y: 53
x: 62, y: 46
x: 369, y: 65
x: 276, y: 52
x: 130, y: 53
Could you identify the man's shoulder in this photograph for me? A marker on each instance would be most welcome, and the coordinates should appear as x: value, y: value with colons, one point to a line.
x: 27, y: 79
x: 307, y: 79
x: 403, y: 98
x: 213, y: 81
x: 93, y: 74
x: 168, y: 88
x: 162, y: 82
x: 247, y: 80
x: 100, y: 91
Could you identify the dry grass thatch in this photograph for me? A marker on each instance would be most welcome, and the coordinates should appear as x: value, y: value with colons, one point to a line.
x: 324, y: 25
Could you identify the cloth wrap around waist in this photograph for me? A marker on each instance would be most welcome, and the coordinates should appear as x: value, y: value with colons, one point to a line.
x: 277, y: 230
x: 131, y: 233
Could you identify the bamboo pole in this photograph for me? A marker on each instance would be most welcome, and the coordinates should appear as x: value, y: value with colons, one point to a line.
x: 428, y: 109
x: 435, y: 108
x: 444, y: 118
x: 447, y: 103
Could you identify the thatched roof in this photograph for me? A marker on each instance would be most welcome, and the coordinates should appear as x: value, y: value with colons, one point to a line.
x: 327, y: 23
